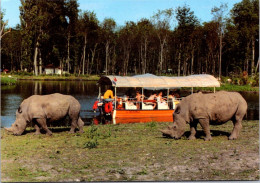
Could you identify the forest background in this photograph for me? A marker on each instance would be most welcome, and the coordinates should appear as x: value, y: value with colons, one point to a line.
x: 58, y: 33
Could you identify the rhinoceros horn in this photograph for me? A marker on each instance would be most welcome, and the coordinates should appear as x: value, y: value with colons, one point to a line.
x: 9, y: 129
x: 166, y: 132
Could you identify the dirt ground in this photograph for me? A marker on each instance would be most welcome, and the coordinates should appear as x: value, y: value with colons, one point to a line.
x: 130, y: 152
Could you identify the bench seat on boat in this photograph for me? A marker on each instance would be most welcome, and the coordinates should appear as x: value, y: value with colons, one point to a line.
x: 162, y: 105
x: 131, y: 107
x: 147, y: 106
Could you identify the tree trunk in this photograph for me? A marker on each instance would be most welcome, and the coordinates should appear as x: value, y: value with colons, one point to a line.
x: 253, y: 56
x: 35, y: 64
x: 84, y: 54
x: 40, y: 62
x: 107, y: 52
x: 145, y: 55
x: 220, y: 54
x: 161, y: 58
x: 257, y: 65
x: 179, y: 64
x: 88, y: 65
x: 12, y: 61
x: 68, y: 54
x: 192, y: 61
x: 93, y: 52
x: 21, y: 63
x: 247, y: 59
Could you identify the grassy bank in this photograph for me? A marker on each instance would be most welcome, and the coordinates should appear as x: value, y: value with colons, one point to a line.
x: 133, y: 152
x: 5, y: 80
x: 224, y: 86
x: 58, y: 77
x: 228, y: 87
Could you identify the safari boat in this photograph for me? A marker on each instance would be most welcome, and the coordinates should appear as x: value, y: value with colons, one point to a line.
x: 119, y: 110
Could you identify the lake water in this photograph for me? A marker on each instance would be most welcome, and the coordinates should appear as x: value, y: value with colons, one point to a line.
x: 85, y: 91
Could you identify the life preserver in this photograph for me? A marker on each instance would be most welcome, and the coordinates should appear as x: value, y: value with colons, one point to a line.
x: 95, y: 105
x: 108, y: 107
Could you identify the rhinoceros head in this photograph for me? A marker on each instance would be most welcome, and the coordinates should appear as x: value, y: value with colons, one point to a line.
x: 177, y: 129
x: 19, y: 125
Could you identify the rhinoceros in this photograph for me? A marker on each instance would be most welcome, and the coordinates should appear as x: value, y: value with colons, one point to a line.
x: 40, y: 109
x: 205, y: 109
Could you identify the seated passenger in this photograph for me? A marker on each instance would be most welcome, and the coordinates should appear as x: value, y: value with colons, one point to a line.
x: 128, y: 102
x: 152, y: 97
x: 138, y: 99
x: 160, y: 98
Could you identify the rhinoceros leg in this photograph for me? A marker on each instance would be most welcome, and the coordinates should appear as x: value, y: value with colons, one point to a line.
x: 193, y: 129
x: 205, y: 126
x: 43, y: 124
x: 73, y: 125
x: 38, y: 130
x: 237, y: 127
x: 80, y: 125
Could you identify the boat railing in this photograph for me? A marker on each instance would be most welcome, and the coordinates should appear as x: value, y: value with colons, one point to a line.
x: 145, y: 104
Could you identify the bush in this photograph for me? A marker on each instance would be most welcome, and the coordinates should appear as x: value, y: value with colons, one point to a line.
x: 67, y: 74
x: 21, y: 73
x: 93, y: 143
x: 8, y: 81
x: 254, y: 81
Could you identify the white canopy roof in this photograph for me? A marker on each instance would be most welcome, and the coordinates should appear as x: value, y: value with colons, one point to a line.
x: 152, y: 81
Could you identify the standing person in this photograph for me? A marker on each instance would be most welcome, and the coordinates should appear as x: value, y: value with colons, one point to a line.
x: 160, y: 98
x: 138, y: 99
x: 109, y: 94
x: 171, y: 98
x: 171, y: 95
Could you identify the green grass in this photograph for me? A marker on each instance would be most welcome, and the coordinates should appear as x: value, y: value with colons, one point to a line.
x: 231, y: 87
x: 58, y: 77
x: 226, y: 87
x: 5, y: 80
x: 132, y: 152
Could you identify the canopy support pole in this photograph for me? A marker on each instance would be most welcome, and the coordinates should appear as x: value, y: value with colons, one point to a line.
x: 191, y: 90
x: 168, y: 95
x: 99, y: 93
x: 115, y: 97
x: 214, y: 89
x: 142, y: 97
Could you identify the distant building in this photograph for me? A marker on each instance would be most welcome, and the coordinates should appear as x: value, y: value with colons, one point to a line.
x: 6, y: 71
x: 51, y: 69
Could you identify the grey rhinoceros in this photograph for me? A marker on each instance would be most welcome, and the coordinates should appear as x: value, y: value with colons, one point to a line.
x: 40, y: 109
x: 213, y: 108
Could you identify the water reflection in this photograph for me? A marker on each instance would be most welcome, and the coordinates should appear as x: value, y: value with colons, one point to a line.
x: 84, y: 91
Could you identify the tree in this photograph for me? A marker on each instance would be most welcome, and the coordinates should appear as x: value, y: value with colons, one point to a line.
x: 88, y: 24
x: 145, y: 30
x: 245, y: 16
x: 72, y: 16
x: 187, y: 22
x: 211, y: 39
x: 108, y: 27
x: 44, y: 24
x: 219, y: 17
x: 162, y: 20
x: 11, y: 51
x: 3, y: 24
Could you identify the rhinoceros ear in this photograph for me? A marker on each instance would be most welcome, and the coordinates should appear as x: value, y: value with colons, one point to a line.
x: 19, y: 110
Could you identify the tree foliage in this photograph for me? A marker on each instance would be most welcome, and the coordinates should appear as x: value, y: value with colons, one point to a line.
x: 57, y: 33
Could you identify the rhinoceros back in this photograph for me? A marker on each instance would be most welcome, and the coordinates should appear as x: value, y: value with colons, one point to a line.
x: 218, y: 107
x: 53, y: 107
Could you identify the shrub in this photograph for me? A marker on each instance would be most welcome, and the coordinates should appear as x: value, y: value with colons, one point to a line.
x: 8, y: 81
x: 93, y: 143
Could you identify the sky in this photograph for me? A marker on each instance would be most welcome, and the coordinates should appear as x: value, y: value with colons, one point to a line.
x: 127, y: 10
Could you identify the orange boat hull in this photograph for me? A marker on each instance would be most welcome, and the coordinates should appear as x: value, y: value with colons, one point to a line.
x: 142, y: 116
